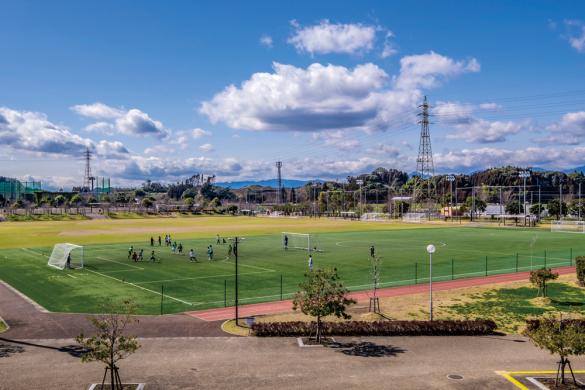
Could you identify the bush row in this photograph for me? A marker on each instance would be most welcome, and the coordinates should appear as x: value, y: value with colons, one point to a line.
x: 535, y: 324
x: 376, y: 328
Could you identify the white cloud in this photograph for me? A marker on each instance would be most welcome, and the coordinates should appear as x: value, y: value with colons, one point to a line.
x: 139, y: 123
x: 329, y: 97
x: 199, y: 133
x: 570, y: 130
x: 388, y: 48
x: 472, y: 129
x: 33, y: 132
x: 97, y: 111
x: 425, y: 70
x: 266, y: 40
x: 159, y: 150
x: 129, y: 122
x: 206, y: 148
x: 338, y: 139
x: 471, y: 159
x: 327, y: 38
x: 576, y: 34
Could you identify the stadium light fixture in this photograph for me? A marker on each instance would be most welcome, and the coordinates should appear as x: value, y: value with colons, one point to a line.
x: 430, y: 250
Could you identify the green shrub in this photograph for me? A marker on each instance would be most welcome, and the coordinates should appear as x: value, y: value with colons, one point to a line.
x: 580, y: 267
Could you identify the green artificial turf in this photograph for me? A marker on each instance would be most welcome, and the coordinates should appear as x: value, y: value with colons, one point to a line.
x: 461, y: 252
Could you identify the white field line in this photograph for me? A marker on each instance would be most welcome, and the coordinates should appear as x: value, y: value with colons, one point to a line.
x: 140, y: 287
x: 34, y: 252
x: 117, y: 262
x: 71, y: 276
x: 204, y: 277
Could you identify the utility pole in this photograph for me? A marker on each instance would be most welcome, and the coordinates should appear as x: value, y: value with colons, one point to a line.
x: 451, y: 179
x: 579, y: 208
x: 279, y: 178
x: 424, y: 162
x: 524, y: 175
x: 360, y: 182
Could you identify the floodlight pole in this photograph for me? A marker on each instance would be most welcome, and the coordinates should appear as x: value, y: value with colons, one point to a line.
x: 451, y: 179
x: 524, y: 175
x: 430, y: 250
x: 237, y: 285
x: 579, y: 208
x: 360, y: 182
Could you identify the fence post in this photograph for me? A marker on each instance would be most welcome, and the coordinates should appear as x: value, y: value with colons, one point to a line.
x: 224, y: 292
x: 452, y: 269
x: 516, y: 261
x: 162, y: 295
x: 415, y: 272
x: 281, y: 287
x: 545, y: 258
x: 570, y: 256
x: 486, y: 267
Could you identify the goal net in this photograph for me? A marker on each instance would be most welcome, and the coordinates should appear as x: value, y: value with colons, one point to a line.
x: 413, y: 217
x: 302, y: 241
x: 66, y: 256
x: 375, y: 217
x: 567, y: 226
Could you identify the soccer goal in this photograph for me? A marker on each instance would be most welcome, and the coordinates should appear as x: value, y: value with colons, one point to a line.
x: 567, y: 226
x: 66, y: 256
x: 413, y: 217
x: 375, y: 217
x: 302, y: 241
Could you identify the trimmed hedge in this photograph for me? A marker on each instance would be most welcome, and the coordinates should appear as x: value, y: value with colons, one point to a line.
x: 580, y: 267
x: 376, y: 328
x: 535, y: 324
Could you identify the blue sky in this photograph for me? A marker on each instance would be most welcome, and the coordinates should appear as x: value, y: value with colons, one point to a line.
x: 163, y: 90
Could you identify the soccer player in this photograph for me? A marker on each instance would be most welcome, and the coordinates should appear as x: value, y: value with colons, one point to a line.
x: 192, y: 255
x: 68, y: 261
x: 310, y: 263
x: 159, y: 241
x: 141, y: 255
x: 134, y: 256
x: 230, y: 249
x: 372, y: 251
x: 152, y: 256
x: 218, y: 241
x: 151, y: 241
x: 180, y: 248
x: 285, y: 242
x: 130, y: 250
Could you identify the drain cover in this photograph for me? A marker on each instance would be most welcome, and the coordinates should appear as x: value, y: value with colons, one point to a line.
x: 454, y: 376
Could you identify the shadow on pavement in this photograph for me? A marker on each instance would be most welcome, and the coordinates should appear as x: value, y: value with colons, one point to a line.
x: 7, y: 349
x: 366, y: 349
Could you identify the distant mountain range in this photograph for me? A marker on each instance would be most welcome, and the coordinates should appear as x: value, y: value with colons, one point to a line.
x: 287, y: 183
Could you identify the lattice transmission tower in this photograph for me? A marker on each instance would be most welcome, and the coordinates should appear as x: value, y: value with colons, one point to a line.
x: 424, y: 162
x: 88, y: 178
x: 279, y: 179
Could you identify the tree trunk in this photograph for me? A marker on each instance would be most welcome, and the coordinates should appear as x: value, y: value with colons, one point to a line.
x: 318, y: 329
x: 112, y: 383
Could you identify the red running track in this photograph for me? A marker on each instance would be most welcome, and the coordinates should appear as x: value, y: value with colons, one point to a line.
x: 286, y: 306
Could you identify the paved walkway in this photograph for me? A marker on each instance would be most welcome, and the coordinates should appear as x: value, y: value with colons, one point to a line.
x: 27, y: 322
x: 285, y: 306
x: 278, y: 363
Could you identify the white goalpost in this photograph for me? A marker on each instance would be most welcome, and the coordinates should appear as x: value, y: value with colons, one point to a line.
x: 303, y: 241
x: 66, y: 256
x: 413, y: 217
x: 566, y: 226
x: 375, y: 217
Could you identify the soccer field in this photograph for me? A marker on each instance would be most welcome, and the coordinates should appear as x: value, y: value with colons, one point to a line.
x: 266, y: 271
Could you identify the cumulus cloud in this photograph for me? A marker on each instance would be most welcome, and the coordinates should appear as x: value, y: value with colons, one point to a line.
x: 338, y: 139
x: 569, y: 130
x: 329, y: 97
x: 472, y: 159
x: 129, y: 122
x: 33, y: 132
x: 327, y: 37
x: 426, y: 70
x: 472, y: 129
x: 199, y: 133
x: 206, y: 148
x: 266, y: 40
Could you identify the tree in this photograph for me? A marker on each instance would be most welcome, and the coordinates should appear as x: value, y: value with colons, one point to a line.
x: 560, y: 337
x: 540, y: 277
x: 59, y: 200
x: 577, y: 208
x: 580, y: 269
x: 480, y: 205
x: 146, y: 202
x: 514, y: 208
x: 110, y: 344
x: 139, y: 193
x: 76, y: 200
x: 554, y: 208
x: 536, y: 209
x: 322, y: 294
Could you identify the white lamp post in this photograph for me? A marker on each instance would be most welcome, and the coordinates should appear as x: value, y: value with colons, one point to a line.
x: 431, y: 249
